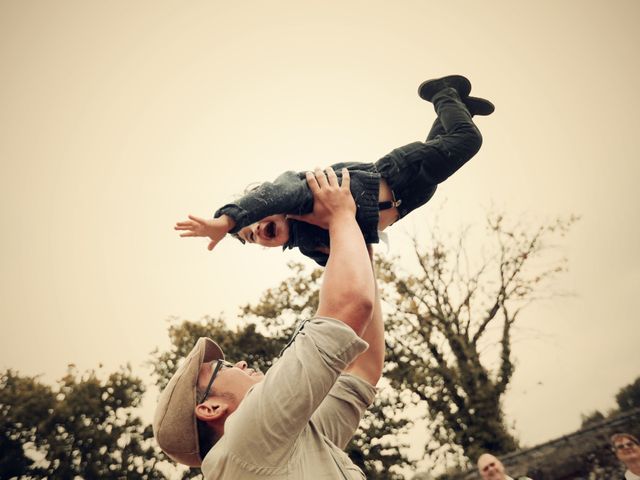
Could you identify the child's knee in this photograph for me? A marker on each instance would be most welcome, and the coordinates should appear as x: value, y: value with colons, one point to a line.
x: 476, y: 141
x: 472, y: 141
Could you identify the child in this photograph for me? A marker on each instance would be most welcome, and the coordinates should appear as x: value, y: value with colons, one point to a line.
x: 274, y: 214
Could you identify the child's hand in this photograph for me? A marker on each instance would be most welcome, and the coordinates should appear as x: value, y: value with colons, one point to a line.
x: 214, y: 228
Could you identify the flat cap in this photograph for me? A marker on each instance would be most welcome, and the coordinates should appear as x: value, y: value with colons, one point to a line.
x: 174, y: 423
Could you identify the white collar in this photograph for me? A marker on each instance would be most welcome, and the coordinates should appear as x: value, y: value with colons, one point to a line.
x: 629, y: 475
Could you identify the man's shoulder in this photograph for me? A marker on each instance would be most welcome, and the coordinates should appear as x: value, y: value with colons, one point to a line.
x: 329, y: 334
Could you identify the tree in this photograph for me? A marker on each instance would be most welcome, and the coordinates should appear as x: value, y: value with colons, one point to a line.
x: 440, y: 319
x: 453, y: 308
x: 628, y: 397
x: 589, y: 419
x: 84, y: 428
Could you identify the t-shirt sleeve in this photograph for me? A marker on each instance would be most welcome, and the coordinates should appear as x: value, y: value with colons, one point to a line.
x: 266, y: 425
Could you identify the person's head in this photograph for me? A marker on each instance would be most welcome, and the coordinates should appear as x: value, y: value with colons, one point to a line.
x: 626, y: 447
x: 271, y: 231
x: 196, y: 402
x: 490, y: 467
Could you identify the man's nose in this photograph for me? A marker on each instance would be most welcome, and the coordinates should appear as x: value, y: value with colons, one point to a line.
x: 241, y: 365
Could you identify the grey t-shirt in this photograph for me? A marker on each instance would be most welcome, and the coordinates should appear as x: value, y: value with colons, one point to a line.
x: 294, y: 423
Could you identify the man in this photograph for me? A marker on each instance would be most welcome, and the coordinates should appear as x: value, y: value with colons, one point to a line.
x: 491, y: 468
x: 627, y: 449
x: 293, y: 422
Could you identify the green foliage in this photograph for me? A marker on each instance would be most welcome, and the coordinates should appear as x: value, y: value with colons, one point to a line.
x: 84, y: 428
x: 628, y: 397
x: 24, y: 404
x: 591, y: 418
x: 375, y: 447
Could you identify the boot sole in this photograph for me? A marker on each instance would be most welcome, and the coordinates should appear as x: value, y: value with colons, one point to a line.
x: 429, y: 88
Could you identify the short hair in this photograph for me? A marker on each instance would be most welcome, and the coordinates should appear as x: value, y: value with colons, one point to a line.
x: 617, y: 436
x: 207, y: 438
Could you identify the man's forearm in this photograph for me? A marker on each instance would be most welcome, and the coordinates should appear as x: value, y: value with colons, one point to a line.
x: 368, y: 366
x: 348, y: 285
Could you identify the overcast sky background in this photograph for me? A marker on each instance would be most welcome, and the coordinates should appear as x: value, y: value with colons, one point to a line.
x: 119, y: 118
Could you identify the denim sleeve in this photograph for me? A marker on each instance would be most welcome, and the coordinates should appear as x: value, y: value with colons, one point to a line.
x: 289, y: 193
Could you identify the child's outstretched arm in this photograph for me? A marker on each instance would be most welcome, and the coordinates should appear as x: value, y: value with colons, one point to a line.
x: 214, y: 228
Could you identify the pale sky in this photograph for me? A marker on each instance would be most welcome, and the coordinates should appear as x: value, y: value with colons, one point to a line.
x: 119, y: 118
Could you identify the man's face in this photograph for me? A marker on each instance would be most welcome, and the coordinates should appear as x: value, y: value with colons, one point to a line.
x: 490, y: 468
x: 626, y: 450
x: 235, y: 380
x: 272, y: 231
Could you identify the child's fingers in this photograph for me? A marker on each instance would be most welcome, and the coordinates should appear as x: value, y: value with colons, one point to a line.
x: 184, y: 225
x: 197, y: 219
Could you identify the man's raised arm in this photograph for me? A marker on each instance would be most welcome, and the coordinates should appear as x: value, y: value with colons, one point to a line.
x: 347, y: 292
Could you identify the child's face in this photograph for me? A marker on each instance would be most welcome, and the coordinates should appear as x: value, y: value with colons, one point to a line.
x: 272, y: 231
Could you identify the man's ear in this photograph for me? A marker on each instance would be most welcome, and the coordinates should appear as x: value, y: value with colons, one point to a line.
x: 212, y: 409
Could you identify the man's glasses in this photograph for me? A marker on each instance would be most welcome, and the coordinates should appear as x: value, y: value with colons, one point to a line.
x: 621, y: 446
x: 219, y: 364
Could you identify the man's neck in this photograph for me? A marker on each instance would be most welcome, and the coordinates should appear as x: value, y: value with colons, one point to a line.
x: 634, y: 466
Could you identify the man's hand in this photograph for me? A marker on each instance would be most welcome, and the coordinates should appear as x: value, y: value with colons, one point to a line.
x: 214, y: 228
x: 331, y: 201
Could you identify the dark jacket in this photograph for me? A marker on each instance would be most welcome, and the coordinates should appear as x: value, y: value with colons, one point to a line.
x: 290, y: 194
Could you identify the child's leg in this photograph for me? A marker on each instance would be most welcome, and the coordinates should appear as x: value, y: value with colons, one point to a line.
x: 436, y: 129
x: 414, y: 171
x: 460, y: 140
x: 475, y: 105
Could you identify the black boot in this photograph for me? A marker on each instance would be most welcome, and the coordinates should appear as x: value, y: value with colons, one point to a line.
x: 430, y: 87
x: 478, y: 106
